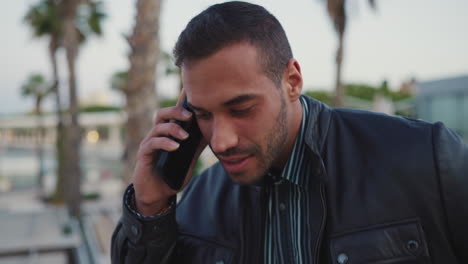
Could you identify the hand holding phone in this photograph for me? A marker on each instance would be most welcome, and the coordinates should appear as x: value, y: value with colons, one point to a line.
x: 173, y: 166
x: 152, y: 182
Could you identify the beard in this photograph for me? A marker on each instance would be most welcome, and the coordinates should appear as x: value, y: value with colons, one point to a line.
x: 266, y: 153
x: 275, y: 142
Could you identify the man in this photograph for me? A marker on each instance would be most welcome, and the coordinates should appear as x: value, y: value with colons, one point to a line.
x: 297, y: 182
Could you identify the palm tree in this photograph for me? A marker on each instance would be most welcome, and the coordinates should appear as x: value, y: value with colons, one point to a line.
x: 337, y: 12
x: 44, y: 19
x: 58, y: 20
x: 73, y: 168
x: 36, y: 87
x: 75, y: 29
x: 140, y: 89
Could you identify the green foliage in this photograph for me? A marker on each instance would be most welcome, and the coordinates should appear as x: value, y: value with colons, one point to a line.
x: 91, y: 196
x: 89, y: 18
x: 198, y: 167
x: 398, y: 96
x: 119, y: 80
x: 168, y: 102
x: 99, y: 108
x: 323, y: 96
x: 362, y: 91
x: 44, y: 18
x: 367, y: 92
x: 36, y: 87
x: 169, y: 65
x: 92, y: 15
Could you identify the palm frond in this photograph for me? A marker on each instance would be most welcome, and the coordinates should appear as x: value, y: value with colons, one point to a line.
x: 35, y: 85
x: 43, y: 18
x: 89, y: 18
x: 337, y: 12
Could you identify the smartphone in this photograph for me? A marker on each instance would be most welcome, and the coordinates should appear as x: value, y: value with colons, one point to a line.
x: 172, y: 166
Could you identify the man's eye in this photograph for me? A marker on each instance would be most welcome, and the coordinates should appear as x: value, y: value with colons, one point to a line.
x: 240, y: 112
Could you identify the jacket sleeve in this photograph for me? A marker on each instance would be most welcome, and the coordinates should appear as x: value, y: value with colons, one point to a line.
x: 451, y: 156
x: 141, y: 241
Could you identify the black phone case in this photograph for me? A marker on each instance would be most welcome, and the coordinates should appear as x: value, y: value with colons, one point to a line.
x: 172, y: 166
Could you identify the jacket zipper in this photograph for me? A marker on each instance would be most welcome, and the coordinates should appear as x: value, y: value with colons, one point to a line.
x: 322, y: 225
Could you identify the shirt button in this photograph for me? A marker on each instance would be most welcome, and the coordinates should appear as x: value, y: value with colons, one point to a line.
x: 282, y: 206
x: 412, y: 245
x: 342, y: 258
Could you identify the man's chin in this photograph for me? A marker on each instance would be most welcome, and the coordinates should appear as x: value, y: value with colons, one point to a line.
x: 244, y: 178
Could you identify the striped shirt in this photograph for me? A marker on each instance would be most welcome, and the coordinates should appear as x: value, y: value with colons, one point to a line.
x: 287, y: 212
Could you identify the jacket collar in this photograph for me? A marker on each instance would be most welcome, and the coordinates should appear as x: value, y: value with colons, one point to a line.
x: 319, y: 116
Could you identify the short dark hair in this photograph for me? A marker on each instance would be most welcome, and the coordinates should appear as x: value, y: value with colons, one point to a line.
x: 232, y: 22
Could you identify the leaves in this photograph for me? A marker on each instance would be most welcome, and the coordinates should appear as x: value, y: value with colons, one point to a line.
x: 337, y: 11
x: 361, y: 91
x: 323, y: 96
x: 119, y: 81
x: 45, y: 18
x: 90, y: 15
x: 36, y: 86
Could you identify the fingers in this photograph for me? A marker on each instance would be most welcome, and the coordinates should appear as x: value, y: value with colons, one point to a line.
x: 157, y: 143
x: 172, y: 113
x: 165, y: 130
x: 150, y: 191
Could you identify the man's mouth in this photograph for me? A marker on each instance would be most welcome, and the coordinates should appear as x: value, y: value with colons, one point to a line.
x: 236, y: 164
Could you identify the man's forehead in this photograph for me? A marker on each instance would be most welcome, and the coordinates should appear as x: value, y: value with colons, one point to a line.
x: 230, y: 51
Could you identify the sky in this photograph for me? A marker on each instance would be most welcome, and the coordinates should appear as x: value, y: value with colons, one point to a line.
x: 424, y: 39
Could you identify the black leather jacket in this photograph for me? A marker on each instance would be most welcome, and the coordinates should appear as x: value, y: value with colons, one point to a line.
x: 385, y: 190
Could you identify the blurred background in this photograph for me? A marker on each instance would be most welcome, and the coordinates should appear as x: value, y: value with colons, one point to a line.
x: 82, y: 79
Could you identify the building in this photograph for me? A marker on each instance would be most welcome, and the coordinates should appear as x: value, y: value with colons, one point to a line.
x: 100, y: 130
x: 445, y: 100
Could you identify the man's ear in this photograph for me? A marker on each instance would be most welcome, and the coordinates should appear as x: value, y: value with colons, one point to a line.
x: 292, y: 80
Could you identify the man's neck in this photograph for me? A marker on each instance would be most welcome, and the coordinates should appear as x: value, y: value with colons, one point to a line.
x: 295, y: 117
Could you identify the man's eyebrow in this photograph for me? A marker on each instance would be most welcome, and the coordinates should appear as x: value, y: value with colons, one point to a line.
x: 240, y: 99
x: 236, y: 100
x: 191, y: 106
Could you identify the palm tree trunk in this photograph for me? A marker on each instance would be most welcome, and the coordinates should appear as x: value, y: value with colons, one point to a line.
x: 73, y: 169
x: 339, y: 90
x: 39, y: 147
x: 60, y: 145
x: 140, y: 91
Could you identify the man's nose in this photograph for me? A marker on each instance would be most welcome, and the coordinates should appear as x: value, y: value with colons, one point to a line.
x: 223, y: 136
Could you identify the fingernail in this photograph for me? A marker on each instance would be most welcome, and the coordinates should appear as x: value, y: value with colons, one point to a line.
x: 186, y: 113
x: 183, y: 134
x: 174, y: 145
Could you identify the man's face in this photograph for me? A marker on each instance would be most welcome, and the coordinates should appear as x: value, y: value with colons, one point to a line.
x: 240, y: 111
